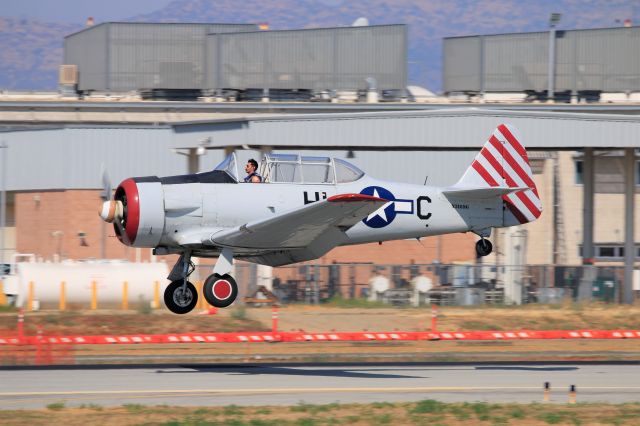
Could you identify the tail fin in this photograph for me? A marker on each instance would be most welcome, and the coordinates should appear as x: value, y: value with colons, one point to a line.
x: 503, y: 162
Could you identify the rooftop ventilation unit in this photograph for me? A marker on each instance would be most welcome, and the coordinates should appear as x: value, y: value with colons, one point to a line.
x: 68, y: 74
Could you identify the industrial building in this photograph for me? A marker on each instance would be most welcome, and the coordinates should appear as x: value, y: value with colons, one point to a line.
x: 580, y: 163
x: 594, y: 64
x: 54, y: 196
x: 584, y: 157
x: 121, y: 57
x: 384, y: 145
x: 232, y: 60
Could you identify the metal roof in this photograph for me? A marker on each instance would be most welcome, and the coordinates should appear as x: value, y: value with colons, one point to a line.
x: 542, y: 32
x: 160, y: 24
x: 70, y: 157
x: 323, y: 28
x: 314, y: 106
x: 445, y: 129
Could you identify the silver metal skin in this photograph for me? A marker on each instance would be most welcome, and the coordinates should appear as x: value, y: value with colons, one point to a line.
x: 308, y: 205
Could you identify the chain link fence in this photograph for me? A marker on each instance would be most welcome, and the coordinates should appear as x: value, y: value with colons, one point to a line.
x: 420, y: 284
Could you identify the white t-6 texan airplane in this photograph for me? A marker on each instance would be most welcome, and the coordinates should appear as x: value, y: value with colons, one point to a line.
x: 305, y: 206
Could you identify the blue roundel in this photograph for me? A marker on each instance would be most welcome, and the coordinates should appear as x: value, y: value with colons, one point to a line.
x: 384, y: 216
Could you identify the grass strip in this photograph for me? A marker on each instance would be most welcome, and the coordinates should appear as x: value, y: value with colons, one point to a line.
x: 303, y: 414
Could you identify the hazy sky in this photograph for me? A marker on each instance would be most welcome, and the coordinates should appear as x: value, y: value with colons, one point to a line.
x: 78, y: 10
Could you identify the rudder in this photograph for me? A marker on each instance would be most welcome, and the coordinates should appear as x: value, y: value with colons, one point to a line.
x: 503, y: 161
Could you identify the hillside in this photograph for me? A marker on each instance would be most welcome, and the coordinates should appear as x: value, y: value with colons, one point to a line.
x: 32, y: 50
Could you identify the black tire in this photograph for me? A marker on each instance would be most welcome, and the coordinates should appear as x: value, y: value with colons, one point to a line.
x: 177, y: 302
x: 220, y: 290
x: 484, y: 247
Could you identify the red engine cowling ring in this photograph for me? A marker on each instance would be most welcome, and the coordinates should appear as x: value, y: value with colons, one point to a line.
x: 129, y: 189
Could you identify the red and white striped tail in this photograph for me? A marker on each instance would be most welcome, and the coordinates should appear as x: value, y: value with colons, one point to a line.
x: 503, y: 161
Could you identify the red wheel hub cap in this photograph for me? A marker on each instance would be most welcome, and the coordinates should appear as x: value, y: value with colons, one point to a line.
x: 222, y: 289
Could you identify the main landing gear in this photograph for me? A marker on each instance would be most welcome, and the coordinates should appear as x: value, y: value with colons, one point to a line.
x: 484, y: 246
x: 181, y: 297
x: 220, y: 289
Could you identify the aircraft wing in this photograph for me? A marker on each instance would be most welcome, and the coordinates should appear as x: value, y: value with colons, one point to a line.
x: 300, y: 228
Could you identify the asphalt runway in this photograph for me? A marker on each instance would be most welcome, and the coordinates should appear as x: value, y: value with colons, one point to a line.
x: 280, y: 384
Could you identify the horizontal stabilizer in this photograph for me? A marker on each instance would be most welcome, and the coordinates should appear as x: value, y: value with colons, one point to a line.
x: 481, y: 193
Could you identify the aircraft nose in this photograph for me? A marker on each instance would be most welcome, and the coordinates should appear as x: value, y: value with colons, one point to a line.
x: 108, y: 211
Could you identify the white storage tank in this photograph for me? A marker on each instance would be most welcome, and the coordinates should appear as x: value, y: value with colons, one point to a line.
x: 421, y: 286
x: 378, y: 284
x: 78, y: 277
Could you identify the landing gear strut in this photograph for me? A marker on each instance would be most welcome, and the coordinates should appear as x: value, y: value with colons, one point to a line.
x: 181, y: 296
x: 220, y: 289
x: 484, y: 247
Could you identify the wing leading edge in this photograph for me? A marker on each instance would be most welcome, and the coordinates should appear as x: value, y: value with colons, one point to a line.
x: 321, y: 223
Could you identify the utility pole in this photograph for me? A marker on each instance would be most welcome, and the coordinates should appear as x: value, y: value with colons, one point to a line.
x: 629, y: 214
x: 553, y: 21
x: 3, y: 199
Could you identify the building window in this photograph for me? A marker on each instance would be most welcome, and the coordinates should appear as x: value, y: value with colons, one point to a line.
x: 605, y: 251
x: 578, y: 176
x: 609, y: 252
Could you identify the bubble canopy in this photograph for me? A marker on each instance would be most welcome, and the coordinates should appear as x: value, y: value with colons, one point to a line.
x: 299, y: 169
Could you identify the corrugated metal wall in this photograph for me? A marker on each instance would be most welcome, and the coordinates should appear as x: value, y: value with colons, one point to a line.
x: 144, y: 55
x: 462, y: 129
x: 457, y: 130
x: 516, y: 61
x: 460, y: 68
x: 315, y: 59
x: 88, y: 50
x: 604, y: 60
x: 71, y: 158
x: 607, y: 59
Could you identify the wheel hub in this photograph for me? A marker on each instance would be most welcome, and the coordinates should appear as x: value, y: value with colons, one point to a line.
x: 222, y: 289
x: 182, y: 297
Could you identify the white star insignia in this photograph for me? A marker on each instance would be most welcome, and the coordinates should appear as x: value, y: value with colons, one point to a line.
x: 380, y: 212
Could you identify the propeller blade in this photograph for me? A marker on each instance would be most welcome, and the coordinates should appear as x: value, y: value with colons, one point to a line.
x: 106, y: 184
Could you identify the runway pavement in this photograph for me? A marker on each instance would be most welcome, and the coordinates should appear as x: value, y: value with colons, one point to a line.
x: 280, y: 384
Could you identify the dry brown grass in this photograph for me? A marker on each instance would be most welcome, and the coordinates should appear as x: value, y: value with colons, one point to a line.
x: 323, y: 318
x: 127, y: 322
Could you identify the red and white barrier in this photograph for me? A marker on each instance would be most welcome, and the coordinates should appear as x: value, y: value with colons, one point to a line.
x: 301, y: 336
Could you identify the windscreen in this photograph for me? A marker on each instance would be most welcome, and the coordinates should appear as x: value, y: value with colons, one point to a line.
x: 229, y: 165
x: 347, y: 172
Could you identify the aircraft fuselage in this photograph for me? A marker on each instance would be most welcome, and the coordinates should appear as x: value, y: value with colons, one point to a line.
x: 413, y: 211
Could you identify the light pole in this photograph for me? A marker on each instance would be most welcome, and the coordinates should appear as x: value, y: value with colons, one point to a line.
x: 3, y: 198
x: 193, y: 155
x: 554, y: 18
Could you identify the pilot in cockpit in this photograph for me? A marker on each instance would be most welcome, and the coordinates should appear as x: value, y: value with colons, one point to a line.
x: 252, y: 174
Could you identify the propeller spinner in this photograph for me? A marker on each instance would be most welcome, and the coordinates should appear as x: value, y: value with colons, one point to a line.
x: 110, y: 210
x: 114, y: 210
